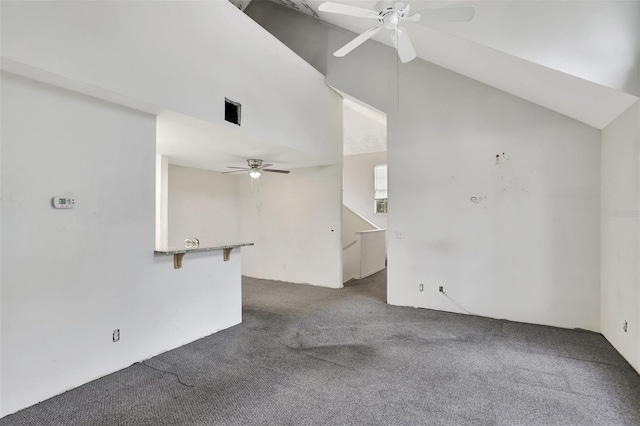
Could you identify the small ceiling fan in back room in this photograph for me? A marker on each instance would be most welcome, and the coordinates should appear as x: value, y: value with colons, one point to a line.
x: 255, y: 169
x: 389, y: 15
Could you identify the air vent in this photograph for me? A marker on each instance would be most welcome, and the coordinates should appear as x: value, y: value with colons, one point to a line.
x: 232, y: 111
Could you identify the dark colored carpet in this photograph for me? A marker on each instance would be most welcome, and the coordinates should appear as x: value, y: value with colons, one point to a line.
x: 314, y: 356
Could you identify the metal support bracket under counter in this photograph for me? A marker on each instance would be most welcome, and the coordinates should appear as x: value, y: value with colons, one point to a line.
x: 178, y: 253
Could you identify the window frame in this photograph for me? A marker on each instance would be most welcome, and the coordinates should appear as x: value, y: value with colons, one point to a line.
x: 380, y: 196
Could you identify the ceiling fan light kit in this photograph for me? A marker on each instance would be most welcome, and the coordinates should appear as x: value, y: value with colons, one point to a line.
x: 255, y: 168
x: 389, y: 15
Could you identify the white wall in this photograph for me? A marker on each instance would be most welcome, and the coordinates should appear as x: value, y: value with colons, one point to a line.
x: 202, y: 204
x: 294, y: 221
x: 529, y: 250
x: 94, y: 265
x: 351, y: 224
x: 1, y: 208
x: 70, y: 277
x: 620, y: 292
x: 351, y: 262
x: 363, y: 246
x: 359, y: 190
x: 178, y: 56
x: 372, y: 252
x: 162, y: 199
x: 67, y: 274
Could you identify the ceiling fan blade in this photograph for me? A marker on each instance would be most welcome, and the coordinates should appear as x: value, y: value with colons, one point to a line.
x: 236, y: 171
x: 242, y: 168
x: 356, y: 41
x: 401, y: 41
x: 413, y: 18
x: 344, y: 9
x: 445, y: 14
x: 266, y: 165
x: 275, y: 171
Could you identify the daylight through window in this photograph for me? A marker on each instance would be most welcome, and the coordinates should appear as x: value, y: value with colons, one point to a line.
x: 380, y: 186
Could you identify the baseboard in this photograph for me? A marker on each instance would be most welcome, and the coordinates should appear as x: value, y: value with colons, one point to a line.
x: 370, y: 273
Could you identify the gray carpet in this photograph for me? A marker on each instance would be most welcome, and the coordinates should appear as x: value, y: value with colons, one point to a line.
x: 314, y: 356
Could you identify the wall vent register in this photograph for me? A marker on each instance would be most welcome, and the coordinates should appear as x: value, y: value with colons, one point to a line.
x: 232, y: 111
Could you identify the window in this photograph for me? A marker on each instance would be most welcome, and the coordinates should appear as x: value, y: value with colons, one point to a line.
x: 380, y: 186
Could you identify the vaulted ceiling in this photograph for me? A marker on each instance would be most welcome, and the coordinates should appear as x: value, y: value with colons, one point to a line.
x: 578, y: 58
x: 364, y: 129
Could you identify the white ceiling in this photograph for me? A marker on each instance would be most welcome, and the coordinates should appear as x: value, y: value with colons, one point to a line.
x: 578, y: 58
x: 190, y: 142
x: 364, y: 128
x: 595, y: 40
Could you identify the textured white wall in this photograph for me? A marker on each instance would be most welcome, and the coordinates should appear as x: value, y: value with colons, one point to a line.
x: 359, y: 185
x: 162, y: 202
x: 70, y: 277
x: 352, y: 223
x: 620, y: 285
x: 529, y: 249
x: 294, y: 221
x: 362, y: 253
x: 373, y: 256
x: 202, y: 204
x: 178, y: 56
x: 96, y: 269
x: 87, y: 259
x: 351, y: 262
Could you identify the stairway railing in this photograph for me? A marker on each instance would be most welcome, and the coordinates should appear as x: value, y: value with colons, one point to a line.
x: 365, y: 254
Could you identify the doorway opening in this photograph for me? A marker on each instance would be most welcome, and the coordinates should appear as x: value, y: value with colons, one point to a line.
x: 365, y: 195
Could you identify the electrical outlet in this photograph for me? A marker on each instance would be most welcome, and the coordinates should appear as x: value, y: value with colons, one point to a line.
x: 116, y: 335
x: 399, y: 235
x: 624, y: 326
x: 421, y: 287
x: 441, y: 289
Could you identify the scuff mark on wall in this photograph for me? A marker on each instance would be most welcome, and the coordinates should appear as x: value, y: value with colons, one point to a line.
x: 513, y: 174
x: 500, y: 158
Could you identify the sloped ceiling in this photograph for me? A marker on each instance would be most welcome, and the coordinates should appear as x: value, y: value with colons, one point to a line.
x: 364, y: 129
x: 240, y: 4
x: 578, y: 58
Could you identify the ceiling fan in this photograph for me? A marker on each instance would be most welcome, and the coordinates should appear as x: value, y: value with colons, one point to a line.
x: 389, y: 14
x: 255, y: 169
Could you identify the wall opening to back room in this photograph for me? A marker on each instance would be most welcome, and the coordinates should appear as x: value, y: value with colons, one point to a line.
x: 364, y: 189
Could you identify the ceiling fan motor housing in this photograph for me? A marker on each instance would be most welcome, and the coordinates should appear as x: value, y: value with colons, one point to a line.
x: 390, y: 13
x: 391, y: 20
x: 385, y: 6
